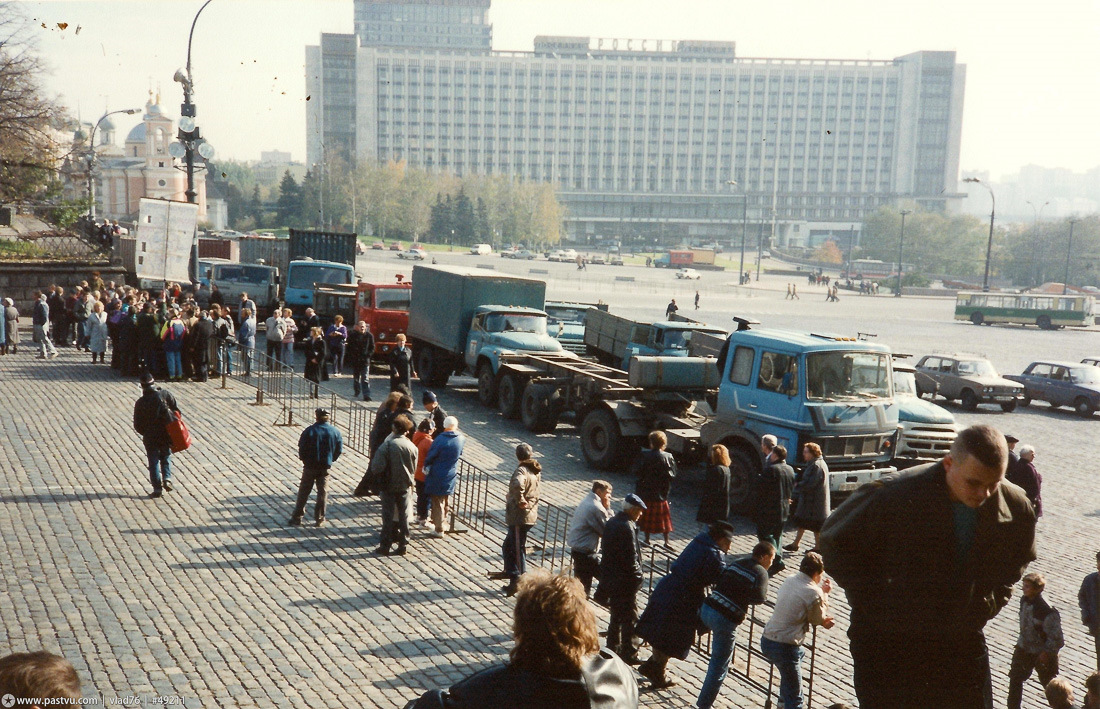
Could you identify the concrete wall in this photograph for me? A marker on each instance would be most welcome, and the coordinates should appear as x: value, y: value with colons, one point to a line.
x: 20, y: 279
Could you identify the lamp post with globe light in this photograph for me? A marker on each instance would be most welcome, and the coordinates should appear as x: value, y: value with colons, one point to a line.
x: 901, y: 244
x: 992, y: 213
x: 190, y: 141
x: 744, y: 226
x: 92, y: 156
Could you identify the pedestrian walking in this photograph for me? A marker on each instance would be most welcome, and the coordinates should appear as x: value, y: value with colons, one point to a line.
x: 358, y: 353
x: 319, y: 446
x: 621, y: 577
x: 696, y: 300
x: 289, y: 337
x: 585, y: 535
x: 743, y: 583
x: 520, y: 514
x: 1039, y: 641
x: 401, y: 366
x: 40, y: 318
x: 422, y: 439
x: 794, y: 292
x: 202, y: 335
x: 435, y: 411
x: 811, y: 494
x: 153, y: 411
x: 788, y: 292
x: 441, y: 468
x: 246, y: 338
x: 654, y: 470
x: 276, y: 331
x: 1022, y: 472
x: 714, y: 498
x: 171, y: 335
x: 671, y: 617
x: 772, y: 498
x: 556, y: 661
x: 11, y: 325
x: 927, y: 557
x: 335, y: 338
x: 802, y: 601
x: 670, y: 309
x: 1088, y: 598
x: 315, y: 360
x: 394, y: 468
x: 95, y: 332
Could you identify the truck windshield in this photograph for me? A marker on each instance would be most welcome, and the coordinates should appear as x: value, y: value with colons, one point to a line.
x: 236, y: 273
x: 392, y: 298
x: 679, y: 339
x: 833, y: 376
x: 569, y: 315
x: 904, y: 383
x: 305, y: 275
x: 977, y: 368
x: 514, y: 322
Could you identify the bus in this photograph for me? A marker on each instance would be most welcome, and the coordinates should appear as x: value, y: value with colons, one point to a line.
x: 873, y: 268
x: 1049, y: 312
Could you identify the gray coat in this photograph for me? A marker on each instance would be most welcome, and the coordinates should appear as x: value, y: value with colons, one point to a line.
x: 395, y: 465
x: 96, y: 329
x: 812, y: 491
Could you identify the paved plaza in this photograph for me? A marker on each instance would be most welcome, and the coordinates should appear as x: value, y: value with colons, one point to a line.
x: 206, y: 595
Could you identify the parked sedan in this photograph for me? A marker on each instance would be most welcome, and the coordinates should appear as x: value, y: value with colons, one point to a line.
x: 378, y: 246
x: 396, y: 246
x: 970, y: 379
x: 688, y: 273
x: 1061, y: 384
x: 415, y: 254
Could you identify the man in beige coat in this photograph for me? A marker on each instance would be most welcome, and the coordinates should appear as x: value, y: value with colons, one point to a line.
x: 521, y: 513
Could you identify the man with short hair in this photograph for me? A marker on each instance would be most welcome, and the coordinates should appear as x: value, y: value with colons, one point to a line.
x: 927, y: 557
x: 319, y: 446
x: 40, y: 318
x: 394, y: 467
x: 767, y: 442
x: 670, y: 309
x: 773, y: 502
x: 586, y: 530
x: 520, y: 514
x: 358, y: 351
x: 152, y: 413
x: 802, y: 601
x: 435, y: 411
x: 1039, y: 641
x: 1059, y: 693
x: 1089, y: 600
x: 223, y: 338
x: 38, y: 675
x: 276, y: 330
x: 246, y: 302
x: 743, y: 583
x: 621, y: 577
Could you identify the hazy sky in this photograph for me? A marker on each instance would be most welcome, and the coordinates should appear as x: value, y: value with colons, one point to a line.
x: 1033, y: 68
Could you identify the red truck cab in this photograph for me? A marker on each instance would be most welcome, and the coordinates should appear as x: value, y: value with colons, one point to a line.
x: 385, y: 307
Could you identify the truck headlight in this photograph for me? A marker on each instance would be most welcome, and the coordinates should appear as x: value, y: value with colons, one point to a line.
x: 382, y: 335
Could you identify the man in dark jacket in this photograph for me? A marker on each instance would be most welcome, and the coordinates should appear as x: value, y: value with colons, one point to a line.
x: 927, y: 557
x: 148, y: 334
x: 1089, y: 600
x: 152, y: 413
x: 773, y: 502
x: 435, y: 411
x: 319, y: 447
x: 358, y: 353
x: 201, y: 335
x: 621, y: 577
x: 743, y: 583
x: 401, y: 366
x: 394, y: 465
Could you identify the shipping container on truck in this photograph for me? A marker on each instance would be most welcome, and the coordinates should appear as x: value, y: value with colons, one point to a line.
x: 228, y: 249
x: 675, y: 259
x: 702, y: 257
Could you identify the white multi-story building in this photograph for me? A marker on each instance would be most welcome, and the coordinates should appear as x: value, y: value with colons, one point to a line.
x: 644, y: 137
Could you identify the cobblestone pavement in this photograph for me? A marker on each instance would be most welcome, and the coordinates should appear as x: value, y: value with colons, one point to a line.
x: 206, y: 595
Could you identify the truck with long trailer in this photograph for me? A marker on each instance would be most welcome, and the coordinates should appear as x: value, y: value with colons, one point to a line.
x: 615, y: 340
x: 463, y: 320
x: 687, y: 258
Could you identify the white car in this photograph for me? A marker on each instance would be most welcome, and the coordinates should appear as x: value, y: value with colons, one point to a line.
x: 481, y: 250
x: 688, y: 273
x: 569, y: 255
x: 415, y: 254
x: 557, y: 255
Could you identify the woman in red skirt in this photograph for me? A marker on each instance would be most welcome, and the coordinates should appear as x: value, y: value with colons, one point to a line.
x: 655, y: 469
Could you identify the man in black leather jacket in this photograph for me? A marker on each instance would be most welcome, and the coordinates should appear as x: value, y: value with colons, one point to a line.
x: 621, y: 577
x: 927, y: 557
x: 548, y: 669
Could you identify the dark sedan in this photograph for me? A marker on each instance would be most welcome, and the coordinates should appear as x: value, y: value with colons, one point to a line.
x: 1061, y: 384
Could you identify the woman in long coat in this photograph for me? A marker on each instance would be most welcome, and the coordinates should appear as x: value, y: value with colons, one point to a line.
x: 95, y: 329
x: 11, y: 325
x: 812, y: 494
x: 714, y: 503
x: 655, y: 469
x: 315, y: 359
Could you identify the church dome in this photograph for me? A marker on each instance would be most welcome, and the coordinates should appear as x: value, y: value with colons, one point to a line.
x: 136, y: 134
x: 106, y: 124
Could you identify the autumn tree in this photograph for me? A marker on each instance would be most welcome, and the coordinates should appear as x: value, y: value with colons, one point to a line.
x: 828, y: 252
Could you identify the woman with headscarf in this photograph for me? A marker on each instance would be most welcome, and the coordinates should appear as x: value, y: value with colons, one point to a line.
x: 11, y: 325
x: 95, y: 332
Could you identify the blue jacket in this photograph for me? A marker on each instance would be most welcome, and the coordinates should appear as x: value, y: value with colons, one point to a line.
x: 441, y: 463
x: 40, y: 315
x: 246, y: 334
x: 1089, y: 598
x: 672, y: 615
x: 320, y: 445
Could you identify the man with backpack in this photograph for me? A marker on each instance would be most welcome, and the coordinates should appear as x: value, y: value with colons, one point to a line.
x: 152, y: 413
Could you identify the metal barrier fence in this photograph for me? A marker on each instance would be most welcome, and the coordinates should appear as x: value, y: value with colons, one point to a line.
x: 478, y: 502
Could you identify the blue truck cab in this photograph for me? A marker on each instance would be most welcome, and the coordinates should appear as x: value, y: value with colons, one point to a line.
x: 664, y: 339
x: 833, y: 391
x: 565, y: 322
x: 499, y: 328
x: 304, y: 274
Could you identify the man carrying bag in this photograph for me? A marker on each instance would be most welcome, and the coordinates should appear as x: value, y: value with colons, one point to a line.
x: 154, y: 412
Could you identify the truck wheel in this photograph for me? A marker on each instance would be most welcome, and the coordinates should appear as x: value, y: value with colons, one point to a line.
x: 538, y: 410
x: 743, y: 471
x: 977, y: 318
x: 1009, y: 406
x: 1025, y: 401
x: 486, y: 385
x: 1082, y: 407
x: 432, y: 367
x: 509, y: 395
x: 602, y: 441
x: 969, y: 400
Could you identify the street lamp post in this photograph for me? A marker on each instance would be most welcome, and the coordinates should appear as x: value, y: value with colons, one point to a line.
x: 992, y: 213
x: 1069, y: 253
x: 744, y: 227
x: 901, y: 244
x: 190, y: 140
x: 92, y: 156
x: 1038, y: 212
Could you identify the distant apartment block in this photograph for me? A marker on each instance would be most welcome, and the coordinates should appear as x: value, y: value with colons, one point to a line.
x: 643, y: 137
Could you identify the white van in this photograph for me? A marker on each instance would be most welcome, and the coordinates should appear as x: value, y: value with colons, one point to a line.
x: 481, y: 249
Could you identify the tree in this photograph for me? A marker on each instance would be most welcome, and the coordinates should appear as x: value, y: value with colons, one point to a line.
x: 28, y: 119
x: 288, y: 210
x: 828, y: 252
x: 935, y: 243
x: 464, y: 220
x: 255, y: 206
